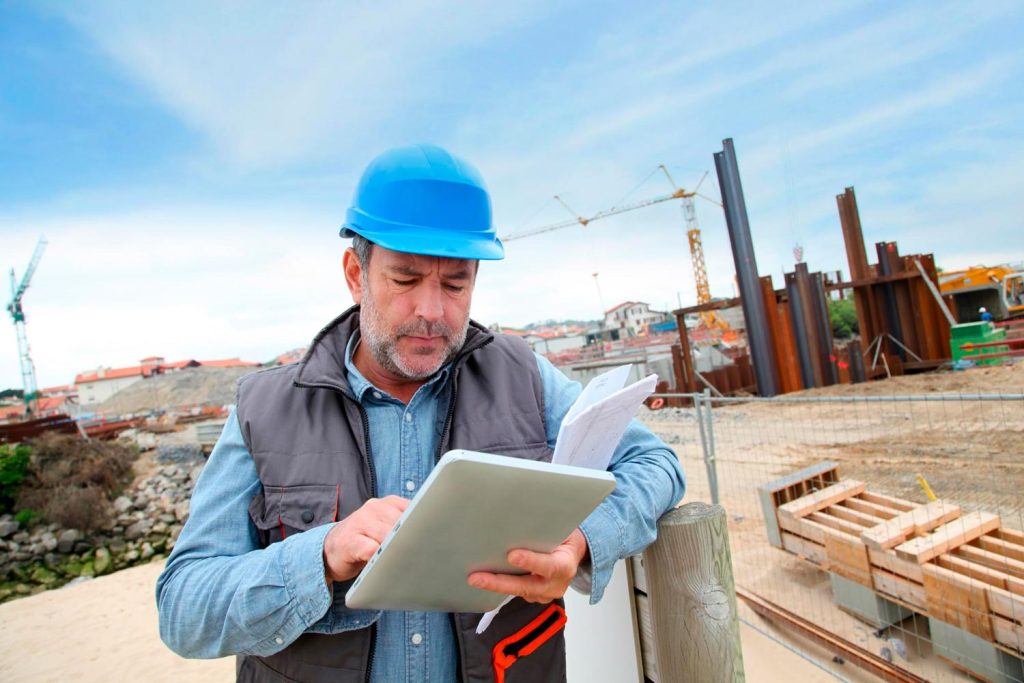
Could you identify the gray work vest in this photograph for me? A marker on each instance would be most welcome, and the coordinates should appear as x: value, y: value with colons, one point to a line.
x: 309, y: 438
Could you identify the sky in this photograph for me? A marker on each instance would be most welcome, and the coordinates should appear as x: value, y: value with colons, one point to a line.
x: 190, y: 163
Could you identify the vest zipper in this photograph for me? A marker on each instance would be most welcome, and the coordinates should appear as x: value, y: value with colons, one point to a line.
x: 373, y: 494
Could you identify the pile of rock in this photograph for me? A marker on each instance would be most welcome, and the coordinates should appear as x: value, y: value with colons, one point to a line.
x: 147, y: 522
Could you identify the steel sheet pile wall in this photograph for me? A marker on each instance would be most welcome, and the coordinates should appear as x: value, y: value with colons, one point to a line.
x: 895, y: 306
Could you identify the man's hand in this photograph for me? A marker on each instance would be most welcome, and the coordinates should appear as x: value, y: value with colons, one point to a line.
x: 354, y: 540
x: 550, y: 573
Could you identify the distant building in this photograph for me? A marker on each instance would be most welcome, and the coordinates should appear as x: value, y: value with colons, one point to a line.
x: 633, y: 318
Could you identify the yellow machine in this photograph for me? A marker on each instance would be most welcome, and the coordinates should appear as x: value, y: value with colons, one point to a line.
x: 998, y: 289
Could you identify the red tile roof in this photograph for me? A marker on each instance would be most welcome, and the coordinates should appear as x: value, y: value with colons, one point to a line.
x: 7, y: 412
x: 113, y: 373
x: 228, y: 363
x: 63, y: 389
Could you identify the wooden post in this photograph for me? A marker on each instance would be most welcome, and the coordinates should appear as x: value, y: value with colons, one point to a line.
x: 691, y: 599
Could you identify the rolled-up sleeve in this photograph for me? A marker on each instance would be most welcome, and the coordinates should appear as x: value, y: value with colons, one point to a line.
x: 649, y: 481
x: 220, y: 593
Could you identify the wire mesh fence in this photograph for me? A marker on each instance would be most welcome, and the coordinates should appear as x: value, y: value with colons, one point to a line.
x: 936, y: 588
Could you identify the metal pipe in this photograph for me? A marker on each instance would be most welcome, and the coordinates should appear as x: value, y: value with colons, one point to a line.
x: 762, y: 349
x: 796, y: 316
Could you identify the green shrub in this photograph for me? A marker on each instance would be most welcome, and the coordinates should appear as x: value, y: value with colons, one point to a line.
x: 843, y: 315
x: 13, y: 470
x: 26, y: 517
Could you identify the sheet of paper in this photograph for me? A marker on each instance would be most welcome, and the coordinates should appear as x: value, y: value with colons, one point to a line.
x: 488, y: 617
x: 598, y: 389
x: 590, y: 439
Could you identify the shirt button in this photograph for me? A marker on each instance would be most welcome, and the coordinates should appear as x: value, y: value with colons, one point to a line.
x: 408, y: 417
x: 416, y: 639
x: 410, y: 485
x: 307, y: 516
x: 377, y: 395
x: 279, y: 640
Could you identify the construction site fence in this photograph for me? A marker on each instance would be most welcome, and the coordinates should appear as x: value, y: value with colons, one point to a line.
x: 966, y: 449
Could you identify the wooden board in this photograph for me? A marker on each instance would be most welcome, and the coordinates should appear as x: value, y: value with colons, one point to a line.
x: 901, y: 590
x: 1009, y: 634
x: 874, y: 509
x: 948, y: 536
x: 819, y: 500
x: 888, y: 561
x: 804, y: 549
x: 848, y: 557
x: 958, y: 600
x: 1007, y: 565
x: 888, y: 501
x: 909, y: 524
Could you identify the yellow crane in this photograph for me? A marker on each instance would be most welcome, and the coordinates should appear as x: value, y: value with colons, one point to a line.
x: 700, y: 273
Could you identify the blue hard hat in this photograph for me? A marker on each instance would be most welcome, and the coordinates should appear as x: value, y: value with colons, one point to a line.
x: 424, y: 200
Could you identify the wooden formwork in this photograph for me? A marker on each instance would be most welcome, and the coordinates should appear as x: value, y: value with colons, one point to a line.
x: 960, y: 567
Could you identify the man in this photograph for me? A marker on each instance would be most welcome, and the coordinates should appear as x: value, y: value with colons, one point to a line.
x: 320, y: 458
x: 986, y: 317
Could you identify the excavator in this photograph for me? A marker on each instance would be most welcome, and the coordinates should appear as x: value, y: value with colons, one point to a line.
x: 999, y: 289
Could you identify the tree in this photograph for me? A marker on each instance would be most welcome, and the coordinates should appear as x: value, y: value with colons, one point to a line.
x: 843, y: 315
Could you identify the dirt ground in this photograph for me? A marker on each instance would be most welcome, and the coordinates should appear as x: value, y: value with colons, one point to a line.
x: 970, y: 451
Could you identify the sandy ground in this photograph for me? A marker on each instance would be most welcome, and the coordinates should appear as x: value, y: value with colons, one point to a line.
x: 106, y: 629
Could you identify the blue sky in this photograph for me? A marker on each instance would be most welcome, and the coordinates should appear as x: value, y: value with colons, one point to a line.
x: 190, y: 162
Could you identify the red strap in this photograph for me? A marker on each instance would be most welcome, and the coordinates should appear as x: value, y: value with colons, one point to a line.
x: 502, y: 660
x: 280, y: 523
x: 337, y: 498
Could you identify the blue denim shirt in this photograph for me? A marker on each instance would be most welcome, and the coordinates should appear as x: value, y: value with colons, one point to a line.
x: 220, y: 594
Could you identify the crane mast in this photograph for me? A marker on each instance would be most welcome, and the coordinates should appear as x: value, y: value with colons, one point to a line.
x: 28, y: 368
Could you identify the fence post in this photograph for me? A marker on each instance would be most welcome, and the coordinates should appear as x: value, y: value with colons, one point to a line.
x: 702, y: 404
x: 691, y: 597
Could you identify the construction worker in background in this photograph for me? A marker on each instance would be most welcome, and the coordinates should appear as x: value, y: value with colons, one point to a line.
x: 986, y: 317
x: 320, y: 458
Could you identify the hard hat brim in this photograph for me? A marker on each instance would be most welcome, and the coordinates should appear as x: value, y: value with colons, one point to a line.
x: 415, y: 240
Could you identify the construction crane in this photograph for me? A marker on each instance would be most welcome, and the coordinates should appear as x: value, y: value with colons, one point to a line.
x: 28, y: 369
x: 711, y: 319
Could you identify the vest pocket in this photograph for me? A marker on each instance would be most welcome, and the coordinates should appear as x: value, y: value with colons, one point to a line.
x: 280, y: 511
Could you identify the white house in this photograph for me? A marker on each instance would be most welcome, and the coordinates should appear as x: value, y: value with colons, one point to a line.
x: 633, y: 318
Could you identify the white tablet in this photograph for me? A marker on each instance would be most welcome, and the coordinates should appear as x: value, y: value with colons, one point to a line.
x: 472, y: 510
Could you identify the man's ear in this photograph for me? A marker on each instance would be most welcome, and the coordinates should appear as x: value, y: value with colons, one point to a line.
x: 353, y: 274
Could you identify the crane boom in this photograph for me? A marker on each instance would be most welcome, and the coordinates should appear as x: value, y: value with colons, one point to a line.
x: 28, y: 368
x: 700, y: 274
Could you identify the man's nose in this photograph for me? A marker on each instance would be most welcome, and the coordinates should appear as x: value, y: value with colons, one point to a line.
x: 429, y: 304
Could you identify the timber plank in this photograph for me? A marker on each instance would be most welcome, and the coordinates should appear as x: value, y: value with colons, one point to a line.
x: 958, y: 600
x: 1004, y: 564
x: 998, y: 545
x: 888, y: 501
x: 874, y: 509
x: 819, y: 500
x: 906, y: 592
x: 804, y: 549
x: 1009, y: 634
x: 848, y: 557
x: 887, y: 560
x: 948, y: 536
x: 836, y: 523
x: 843, y: 512
x: 910, y: 523
x: 803, y: 527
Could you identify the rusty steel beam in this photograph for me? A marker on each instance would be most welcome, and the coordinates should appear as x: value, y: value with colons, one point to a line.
x: 791, y: 379
x: 777, y: 332
x: 686, y: 357
x: 853, y: 284
x: 710, y: 306
x: 830, y: 373
x: 811, y: 326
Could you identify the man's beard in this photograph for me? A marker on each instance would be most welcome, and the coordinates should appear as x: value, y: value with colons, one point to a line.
x: 384, y: 346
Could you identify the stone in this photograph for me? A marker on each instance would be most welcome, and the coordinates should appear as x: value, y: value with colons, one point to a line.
x: 21, y: 537
x: 83, y: 546
x: 76, y: 581
x: 181, y: 510
x: 49, y: 540
x: 138, y: 530
x: 88, y: 569
x: 117, y: 546
x: 194, y: 473
x: 43, y: 575
x: 122, y: 504
x: 131, y: 556
x: 8, y: 528
x: 22, y: 589
x: 167, y: 518
x: 66, y: 541
x: 147, y: 551
x: 160, y: 527
x: 102, y: 562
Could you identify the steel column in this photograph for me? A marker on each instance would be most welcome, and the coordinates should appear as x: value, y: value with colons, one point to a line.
x: 761, y: 345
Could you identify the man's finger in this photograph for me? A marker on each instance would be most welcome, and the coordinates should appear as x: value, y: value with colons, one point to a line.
x: 507, y: 584
x: 557, y: 563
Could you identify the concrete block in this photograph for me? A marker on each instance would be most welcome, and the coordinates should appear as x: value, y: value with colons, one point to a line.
x: 976, y: 655
x: 866, y: 604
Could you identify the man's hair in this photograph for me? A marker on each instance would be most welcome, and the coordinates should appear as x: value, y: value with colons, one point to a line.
x: 362, y: 247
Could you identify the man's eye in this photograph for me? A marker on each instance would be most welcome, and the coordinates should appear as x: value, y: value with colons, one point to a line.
x: 454, y: 288
x: 403, y: 283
